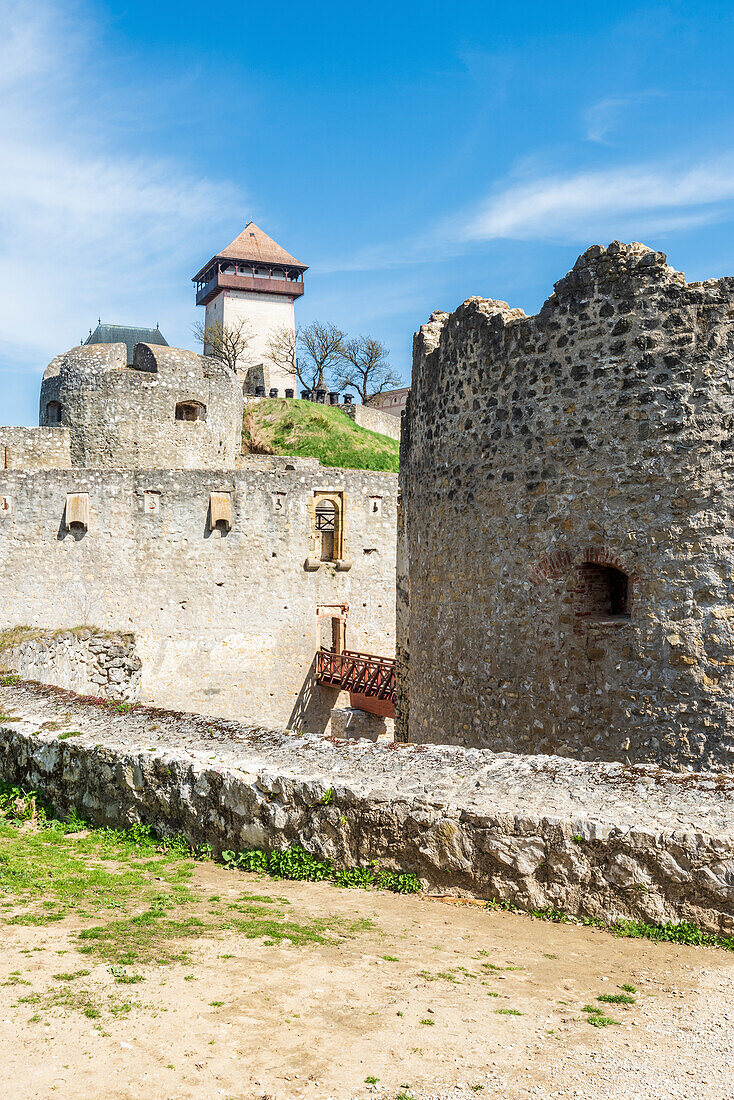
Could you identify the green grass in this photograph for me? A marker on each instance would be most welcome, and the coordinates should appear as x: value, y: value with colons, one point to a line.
x: 303, y: 428
x: 131, y: 891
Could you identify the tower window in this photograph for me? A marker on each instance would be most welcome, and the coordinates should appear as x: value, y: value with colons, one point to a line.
x: 53, y: 412
x: 602, y: 592
x: 190, y: 410
x: 328, y: 526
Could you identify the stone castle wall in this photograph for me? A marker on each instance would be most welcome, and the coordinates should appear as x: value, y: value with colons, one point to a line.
x: 35, y: 448
x: 548, y: 462
x: 375, y: 420
x: 86, y: 662
x: 452, y: 816
x: 225, y: 621
x: 125, y: 417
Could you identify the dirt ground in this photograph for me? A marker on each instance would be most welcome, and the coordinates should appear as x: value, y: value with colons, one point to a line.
x: 420, y: 994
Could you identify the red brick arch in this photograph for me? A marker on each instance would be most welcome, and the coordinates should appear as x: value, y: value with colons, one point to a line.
x: 556, y: 565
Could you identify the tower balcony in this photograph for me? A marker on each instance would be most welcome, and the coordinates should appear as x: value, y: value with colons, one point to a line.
x: 206, y: 290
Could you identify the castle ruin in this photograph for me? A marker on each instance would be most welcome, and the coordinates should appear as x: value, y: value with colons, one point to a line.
x: 567, y: 579
x: 132, y: 508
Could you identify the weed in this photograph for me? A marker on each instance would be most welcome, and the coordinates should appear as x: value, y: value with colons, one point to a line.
x: 578, y: 839
x: 327, y: 797
x: 616, y: 999
x: 683, y: 932
x: 216, y: 1004
x: 72, y: 975
x: 69, y: 733
x: 597, y: 1018
x: 295, y: 863
x: 601, y: 1021
x: 122, y: 977
x: 371, y: 1080
x: 428, y: 1023
x: 390, y: 958
x: 628, y: 988
x: 507, y: 1012
x: 549, y: 912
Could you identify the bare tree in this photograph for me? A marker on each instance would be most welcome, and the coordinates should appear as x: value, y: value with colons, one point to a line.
x: 283, y: 351
x: 227, y: 343
x: 365, y: 368
x: 311, y: 354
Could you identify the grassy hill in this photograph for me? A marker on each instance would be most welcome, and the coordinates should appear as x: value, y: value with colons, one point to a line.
x: 293, y: 427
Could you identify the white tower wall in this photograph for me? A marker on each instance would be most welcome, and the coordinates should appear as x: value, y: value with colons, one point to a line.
x: 266, y: 313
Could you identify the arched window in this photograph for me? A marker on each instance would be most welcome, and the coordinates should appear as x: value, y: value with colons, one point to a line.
x: 603, y: 592
x: 190, y: 410
x: 53, y: 412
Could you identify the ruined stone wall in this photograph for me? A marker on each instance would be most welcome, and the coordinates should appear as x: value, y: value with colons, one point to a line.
x: 34, y: 448
x: 125, y: 417
x: 225, y: 621
x: 594, y: 439
x: 532, y: 830
x: 87, y: 662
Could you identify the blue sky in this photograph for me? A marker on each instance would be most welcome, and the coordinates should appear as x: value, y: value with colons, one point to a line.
x: 412, y: 154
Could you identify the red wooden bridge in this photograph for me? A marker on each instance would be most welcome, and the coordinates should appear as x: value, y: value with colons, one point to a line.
x: 369, y: 680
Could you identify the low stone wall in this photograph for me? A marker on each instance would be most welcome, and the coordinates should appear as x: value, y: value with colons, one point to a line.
x: 89, y: 663
x: 375, y: 420
x: 47, y: 448
x: 603, y: 840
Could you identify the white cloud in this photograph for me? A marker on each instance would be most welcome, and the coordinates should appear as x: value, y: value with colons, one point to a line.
x: 86, y: 226
x: 584, y: 205
x: 603, y: 117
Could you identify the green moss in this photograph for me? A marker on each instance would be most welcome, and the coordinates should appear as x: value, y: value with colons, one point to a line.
x: 308, y: 430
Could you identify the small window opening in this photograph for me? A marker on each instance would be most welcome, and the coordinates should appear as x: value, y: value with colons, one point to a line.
x: 53, y: 412
x: 603, y: 592
x: 326, y: 525
x: 190, y: 410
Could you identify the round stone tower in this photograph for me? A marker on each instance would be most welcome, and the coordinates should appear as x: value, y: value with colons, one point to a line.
x: 567, y: 485
x: 170, y: 409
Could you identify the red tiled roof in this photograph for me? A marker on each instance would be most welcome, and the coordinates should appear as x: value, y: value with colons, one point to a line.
x: 254, y: 245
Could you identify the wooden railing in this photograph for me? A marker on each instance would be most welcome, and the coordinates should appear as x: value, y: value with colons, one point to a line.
x: 369, y: 680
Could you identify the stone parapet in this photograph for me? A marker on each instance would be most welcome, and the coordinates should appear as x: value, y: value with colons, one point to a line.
x: 595, y: 840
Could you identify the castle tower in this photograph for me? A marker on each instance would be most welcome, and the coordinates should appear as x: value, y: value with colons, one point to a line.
x: 256, y: 280
x: 567, y: 483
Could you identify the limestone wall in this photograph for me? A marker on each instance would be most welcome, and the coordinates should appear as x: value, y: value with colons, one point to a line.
x: 86, y: 662
x: 34, y: 448
x: 536, y: 831
x: 125, y: 417
x: 225, y: 621
x: 374, y: 419
x: 544, y: 455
